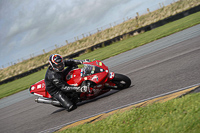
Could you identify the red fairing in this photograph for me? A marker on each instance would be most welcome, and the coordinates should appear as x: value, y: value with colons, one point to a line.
x: 98, y: 78
x: 39, y: 89
x: 74, y: 77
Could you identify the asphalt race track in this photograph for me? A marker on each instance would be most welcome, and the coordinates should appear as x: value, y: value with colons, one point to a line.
x: 159, y: 67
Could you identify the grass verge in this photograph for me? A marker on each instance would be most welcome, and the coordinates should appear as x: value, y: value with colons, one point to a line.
x: 109, y: 51
x: 176, y: 116
x: 21, y: 84
x: 144, y: 38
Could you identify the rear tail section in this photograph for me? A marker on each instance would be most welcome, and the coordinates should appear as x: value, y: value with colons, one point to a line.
x: 39, y: 89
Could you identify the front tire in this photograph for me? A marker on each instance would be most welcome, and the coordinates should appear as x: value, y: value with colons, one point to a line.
x: 121, y: 81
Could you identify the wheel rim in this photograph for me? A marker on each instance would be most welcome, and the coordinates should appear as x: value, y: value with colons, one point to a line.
x: 121, y: 84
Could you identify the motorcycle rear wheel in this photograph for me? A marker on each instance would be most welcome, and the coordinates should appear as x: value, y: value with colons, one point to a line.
x: 121, y: 81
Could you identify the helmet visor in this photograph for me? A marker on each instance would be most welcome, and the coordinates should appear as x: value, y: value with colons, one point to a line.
x: 59, y: 67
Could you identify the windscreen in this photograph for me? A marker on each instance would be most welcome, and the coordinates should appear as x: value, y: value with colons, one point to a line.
x: 90, y: 69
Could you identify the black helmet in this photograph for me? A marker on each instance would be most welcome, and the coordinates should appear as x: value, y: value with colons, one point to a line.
x: 56, y: 62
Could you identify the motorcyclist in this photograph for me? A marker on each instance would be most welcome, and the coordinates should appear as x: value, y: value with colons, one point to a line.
x: 55, y: 80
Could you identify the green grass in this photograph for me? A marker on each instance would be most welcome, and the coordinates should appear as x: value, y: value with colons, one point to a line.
x: 21, y: 84
x: 180, y: 115
x: 109, y: 51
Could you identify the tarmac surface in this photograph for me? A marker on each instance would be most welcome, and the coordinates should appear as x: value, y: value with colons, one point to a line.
x: 156, y: 68
x: 161, y: 98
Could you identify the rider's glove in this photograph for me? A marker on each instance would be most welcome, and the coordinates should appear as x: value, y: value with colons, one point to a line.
x: 78, y: 62
x: 83, y: 88
x: 86, y: 60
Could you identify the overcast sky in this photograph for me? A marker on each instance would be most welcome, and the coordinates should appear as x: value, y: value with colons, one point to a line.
x: 29, y: 26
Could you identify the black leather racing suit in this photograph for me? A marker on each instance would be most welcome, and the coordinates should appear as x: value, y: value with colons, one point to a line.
x: 56, y: 85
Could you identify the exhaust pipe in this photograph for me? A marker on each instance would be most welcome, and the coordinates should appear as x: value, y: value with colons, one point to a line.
x: 48, y: 101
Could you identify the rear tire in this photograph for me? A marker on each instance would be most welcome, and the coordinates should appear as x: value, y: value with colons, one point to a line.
x: 121, y: 81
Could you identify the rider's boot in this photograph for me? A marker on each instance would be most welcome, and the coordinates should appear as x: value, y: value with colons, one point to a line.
x: 65, y: 102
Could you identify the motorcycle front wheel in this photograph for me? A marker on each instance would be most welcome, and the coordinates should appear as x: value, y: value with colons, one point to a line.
x: 121, y: 81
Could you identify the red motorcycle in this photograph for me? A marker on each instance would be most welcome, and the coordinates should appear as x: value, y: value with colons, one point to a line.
x: 94, y: 74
